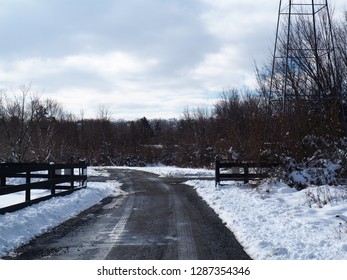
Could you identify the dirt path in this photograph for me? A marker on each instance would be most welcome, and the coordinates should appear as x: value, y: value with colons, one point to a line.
x: 158, y: 218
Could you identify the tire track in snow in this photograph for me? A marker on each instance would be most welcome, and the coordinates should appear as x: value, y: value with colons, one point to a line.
x: 118, y: 230
x: 185, y: 243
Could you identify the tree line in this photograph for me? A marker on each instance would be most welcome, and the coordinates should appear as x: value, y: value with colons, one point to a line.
x: 38, y: 130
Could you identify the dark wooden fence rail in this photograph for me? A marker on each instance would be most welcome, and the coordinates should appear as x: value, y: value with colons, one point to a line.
x: 241, y: 171
x: 60, y: 179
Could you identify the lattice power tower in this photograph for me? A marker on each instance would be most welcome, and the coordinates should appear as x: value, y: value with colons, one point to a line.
x: 303, y: 53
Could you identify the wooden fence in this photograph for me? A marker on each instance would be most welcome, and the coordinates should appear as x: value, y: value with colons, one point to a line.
x: 59, y: 179
x: 241, y: 171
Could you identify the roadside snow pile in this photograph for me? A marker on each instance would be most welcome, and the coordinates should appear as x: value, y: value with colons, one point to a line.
x: 315, y: 172
x: 21, y: 226
x: 274, y: 221
x: 98, y: 172
x: 324, y: 161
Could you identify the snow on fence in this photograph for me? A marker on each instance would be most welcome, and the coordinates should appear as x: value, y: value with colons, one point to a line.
x: 56, y: 179
x: 241, y: 171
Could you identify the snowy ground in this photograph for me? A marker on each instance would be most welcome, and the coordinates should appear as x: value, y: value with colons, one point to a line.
x: 271, y: 221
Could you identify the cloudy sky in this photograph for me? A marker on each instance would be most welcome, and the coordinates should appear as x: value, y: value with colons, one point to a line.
x: 137, y: 58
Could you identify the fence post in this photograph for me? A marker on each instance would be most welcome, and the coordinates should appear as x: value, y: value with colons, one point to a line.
x: 27, y: 188
x: 72, y: 178
x: 51, y: 173
x: 84, y: 173
x: 246, y: 172
x: 2, y: 177
x: 3, y: 181
x: 217, y: 172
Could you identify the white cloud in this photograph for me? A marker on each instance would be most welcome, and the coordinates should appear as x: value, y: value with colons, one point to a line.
x: 108, y: 68
x: 216, y: 66
x: 108, y: 65
x: 235, y: 20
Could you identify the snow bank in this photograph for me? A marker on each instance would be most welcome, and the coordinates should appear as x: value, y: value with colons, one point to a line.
x: 276, y: 222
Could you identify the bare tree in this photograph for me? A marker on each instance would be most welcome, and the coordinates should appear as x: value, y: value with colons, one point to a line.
x: 104, y: 113
x: 17, y: 115
x: 46, y: 115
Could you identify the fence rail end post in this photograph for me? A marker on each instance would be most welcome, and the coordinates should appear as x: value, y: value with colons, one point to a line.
x: 217, y: 172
